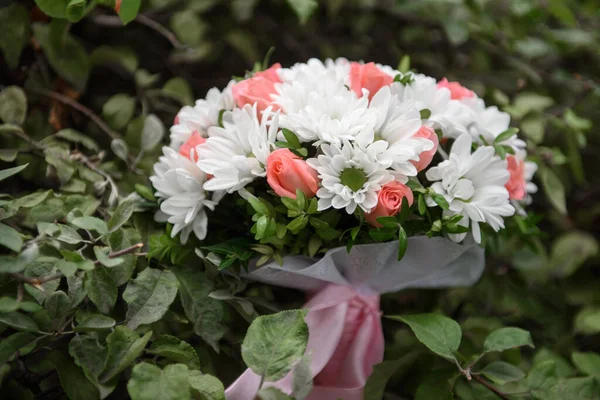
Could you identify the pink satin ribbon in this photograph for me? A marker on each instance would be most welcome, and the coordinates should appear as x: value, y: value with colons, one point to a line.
x: 345, y: 341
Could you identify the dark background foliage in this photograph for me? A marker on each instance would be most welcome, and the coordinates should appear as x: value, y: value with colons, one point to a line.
x: 536, y: 59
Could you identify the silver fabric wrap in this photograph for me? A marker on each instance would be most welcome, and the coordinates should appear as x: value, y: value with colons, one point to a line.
x: 374, y: 268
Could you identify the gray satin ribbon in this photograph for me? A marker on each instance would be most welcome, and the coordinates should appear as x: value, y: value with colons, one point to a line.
x: 374, y: 268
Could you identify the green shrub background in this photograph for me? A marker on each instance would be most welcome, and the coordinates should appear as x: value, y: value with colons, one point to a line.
x: 86, y: 102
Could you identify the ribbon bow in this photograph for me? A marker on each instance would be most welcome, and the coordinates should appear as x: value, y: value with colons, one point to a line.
x: 344, y: 320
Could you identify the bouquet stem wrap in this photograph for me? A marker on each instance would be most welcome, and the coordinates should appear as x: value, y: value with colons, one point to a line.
x: 345, y: 334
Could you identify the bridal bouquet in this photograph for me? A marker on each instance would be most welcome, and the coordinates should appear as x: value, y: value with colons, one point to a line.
x: 347, y: 180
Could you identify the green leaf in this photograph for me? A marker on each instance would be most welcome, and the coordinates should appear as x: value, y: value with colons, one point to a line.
x: 303, y: 378
x: 75, y: 10
x: 149, y: 296
x: 103, y: 255
x: 303, y: 8
x: 121, y: 215
x: 13, y: 105
x: 440, y: 334
x: 68, y: 58
x: 507, y: 134
x: 587, y: 320
x: 121, y: 273
x: 118, y: 110
x: 188, y: 28
x: 129, y: 10
x: 404, y: 64
x: 570, y: 251
x: 18, y: 321
x: 291, y: 138
x: 554, y: 189
x: 95, y: 322
x: 145, y: 192
x: 541, y: 375
x: 67, y: 268
x: 402, y: 242
x: 124, y: 346
x: 437, y: 384
x: 5, y: 173
x: 272, y: 393
x: 90, y: 224
x: 382, y: 373
x: 101, y: 289
x: 576, y: 122
x: 588, y: 363
x: 10, y: 238
x: 507, y: 338
x: 90, y: 355
x: 148, y: 382
x: 502, y: 372
x: 58, y: 305
x: 175, y: 349
x: 54, y: 8
x: 72, y: 379
x: 11, y: 344
x: 258, y: 205
x: 274, y: 343
x: 206, y: 386
x: 178, y: 88
x: 206, y: 314
x: 8, y: 304
x: 14, y: 19
x: 31, y: 200
x: 298, y: 224
x: 122, y: 56
x: 440, y: 201
x: 8, y: 155
x: 425, y: 113
x: 10, y: 264
x: 153, y: 132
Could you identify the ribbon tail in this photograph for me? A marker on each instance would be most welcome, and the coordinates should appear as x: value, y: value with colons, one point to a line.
x: 325, y: 326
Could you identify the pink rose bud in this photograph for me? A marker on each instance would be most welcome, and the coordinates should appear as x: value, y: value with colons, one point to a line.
x: 516, y: 183
x: 368, y: 76
x: 457, y: 91
x: 257, y: 89
x: 287, y: 172
x: 389, y: 202
x: 426, y: 156
x: 188, y: 149
x: 176, y: 120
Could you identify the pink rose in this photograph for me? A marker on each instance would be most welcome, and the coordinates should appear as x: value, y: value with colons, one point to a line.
x: 457, y: 91
x: 287, y: 172
x: 368, y: 76
x: 257, y: 89
x: 389, y: 201
x: 516, y: 183
x: 188, y: 149
x: 426, y: 156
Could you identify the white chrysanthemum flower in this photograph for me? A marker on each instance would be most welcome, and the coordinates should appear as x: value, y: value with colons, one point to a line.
x: 349, y: 178
x: 315, y: 68
x: 490, y: 122
x: 329, y: 116
x: 178, y: 183
x: 237, y: 153
x: 451, y: 116
x: 473, y: 185
x: 203, y: 115
x: 397, y: 123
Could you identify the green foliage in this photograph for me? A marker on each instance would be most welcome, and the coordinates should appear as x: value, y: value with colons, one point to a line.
x: 274, y: 343
x: 97, y: 300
